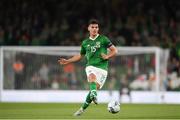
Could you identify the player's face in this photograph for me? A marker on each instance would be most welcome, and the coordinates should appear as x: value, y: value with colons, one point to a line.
x: 93, y: 29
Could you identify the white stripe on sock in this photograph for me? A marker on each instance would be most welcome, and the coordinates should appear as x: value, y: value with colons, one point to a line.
x: 93, y: 90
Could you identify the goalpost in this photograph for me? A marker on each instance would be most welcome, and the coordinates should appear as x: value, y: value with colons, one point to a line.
x: 35, y: 70
x: 1, y: 71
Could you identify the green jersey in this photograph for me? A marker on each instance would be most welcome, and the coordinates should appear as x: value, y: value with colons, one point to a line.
x: 92, y: 50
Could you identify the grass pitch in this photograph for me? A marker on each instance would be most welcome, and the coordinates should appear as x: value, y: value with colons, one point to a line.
x: 49, y: 111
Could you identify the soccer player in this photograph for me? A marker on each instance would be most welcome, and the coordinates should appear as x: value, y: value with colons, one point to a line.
x: 95, y: 49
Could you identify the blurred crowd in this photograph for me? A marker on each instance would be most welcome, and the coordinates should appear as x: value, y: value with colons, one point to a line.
x: 64, y: 23
x: 126, y: 22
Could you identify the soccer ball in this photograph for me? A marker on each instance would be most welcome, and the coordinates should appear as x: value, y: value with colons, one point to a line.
x: 113, y: 107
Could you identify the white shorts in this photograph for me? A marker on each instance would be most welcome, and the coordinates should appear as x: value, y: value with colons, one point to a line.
x: 101, y: 74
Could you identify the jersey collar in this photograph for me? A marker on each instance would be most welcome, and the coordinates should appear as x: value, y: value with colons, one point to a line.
x: 94, y: 37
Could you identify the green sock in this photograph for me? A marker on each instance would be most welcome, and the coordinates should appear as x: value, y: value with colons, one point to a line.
x: 93, y: 86
x: 87, y: 102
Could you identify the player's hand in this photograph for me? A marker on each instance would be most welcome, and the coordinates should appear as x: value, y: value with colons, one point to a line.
x: 104, y: 56
x: 63, y: 61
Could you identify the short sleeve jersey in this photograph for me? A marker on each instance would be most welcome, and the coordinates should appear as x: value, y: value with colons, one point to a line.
x: 92, y: 50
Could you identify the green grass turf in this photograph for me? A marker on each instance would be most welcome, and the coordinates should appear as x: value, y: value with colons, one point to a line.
x: 50, y: 111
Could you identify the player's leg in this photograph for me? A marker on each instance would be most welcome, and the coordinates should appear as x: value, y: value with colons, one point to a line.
x: 88, y: 98
x: 87, y: 102
x: 84, y: 106
x: 91, y: 96
x: 93, y: 87
x: 96, y: 80
x: 92, y: 93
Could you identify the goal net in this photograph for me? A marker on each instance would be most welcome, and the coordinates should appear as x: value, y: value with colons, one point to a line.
x: 37, y: 68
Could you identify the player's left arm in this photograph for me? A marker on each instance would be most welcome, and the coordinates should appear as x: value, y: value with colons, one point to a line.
x: 112, y: 52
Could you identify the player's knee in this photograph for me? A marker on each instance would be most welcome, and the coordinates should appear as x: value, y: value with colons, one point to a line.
x: 92, y: 77
x: 97, y: 86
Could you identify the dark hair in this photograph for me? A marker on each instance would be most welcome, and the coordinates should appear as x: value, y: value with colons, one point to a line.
x: 93, y: 21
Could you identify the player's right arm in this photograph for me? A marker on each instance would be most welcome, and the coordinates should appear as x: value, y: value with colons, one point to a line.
x: 75, y: 58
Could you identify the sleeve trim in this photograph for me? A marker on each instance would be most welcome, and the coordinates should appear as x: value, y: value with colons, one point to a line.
x: 109, y: 45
